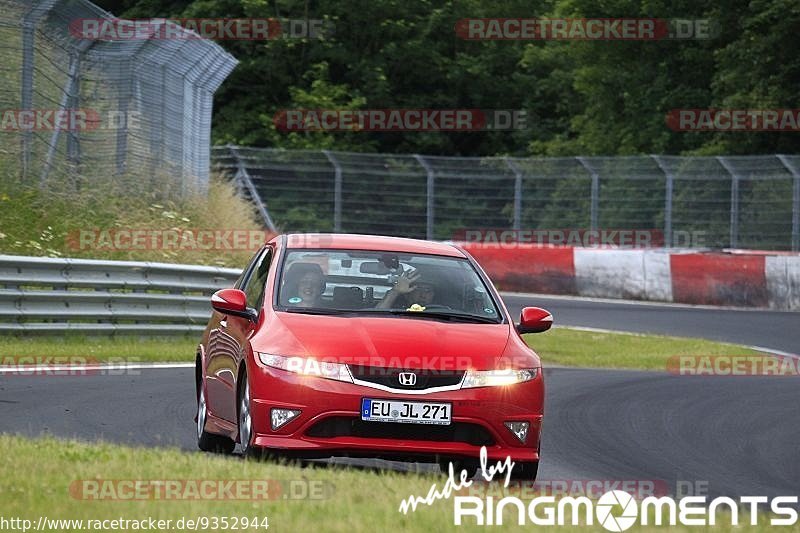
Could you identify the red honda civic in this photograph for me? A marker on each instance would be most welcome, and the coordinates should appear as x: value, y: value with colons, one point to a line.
x: 354, y: 345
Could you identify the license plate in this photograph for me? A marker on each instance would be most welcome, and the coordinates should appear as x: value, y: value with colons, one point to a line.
x: 405, y: 412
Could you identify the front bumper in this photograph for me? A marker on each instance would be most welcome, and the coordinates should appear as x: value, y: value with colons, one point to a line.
x: 330, y: 421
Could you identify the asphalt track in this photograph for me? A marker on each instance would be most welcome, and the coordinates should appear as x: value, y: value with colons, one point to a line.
x: 732, y: 436
x: 775, y: 330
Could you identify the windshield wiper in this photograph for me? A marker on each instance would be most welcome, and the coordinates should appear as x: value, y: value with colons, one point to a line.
x: 442, y: 315
x: 318, y: 311
x: 447, y: 315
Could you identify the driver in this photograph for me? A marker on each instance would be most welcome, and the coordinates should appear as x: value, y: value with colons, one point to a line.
x: 407, y: 291
x: 304, y: 284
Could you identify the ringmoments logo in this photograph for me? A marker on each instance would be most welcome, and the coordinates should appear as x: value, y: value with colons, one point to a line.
x: 618, y: 511
x: 614, y: 510
x: 616, y: 499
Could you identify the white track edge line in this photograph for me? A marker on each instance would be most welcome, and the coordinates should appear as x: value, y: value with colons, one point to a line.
x: 89, y: 368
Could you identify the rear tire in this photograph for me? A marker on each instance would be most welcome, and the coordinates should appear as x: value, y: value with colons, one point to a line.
x: 210, y: 442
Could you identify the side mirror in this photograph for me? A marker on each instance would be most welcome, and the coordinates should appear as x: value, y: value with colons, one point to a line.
x: 534, y: 320
x: 233, y: 302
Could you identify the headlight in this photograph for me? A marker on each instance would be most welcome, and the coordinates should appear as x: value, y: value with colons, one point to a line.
x: 307, y: 366
x: 496, y: 378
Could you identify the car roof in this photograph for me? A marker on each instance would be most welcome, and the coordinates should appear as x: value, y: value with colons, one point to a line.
x: 350, y: 241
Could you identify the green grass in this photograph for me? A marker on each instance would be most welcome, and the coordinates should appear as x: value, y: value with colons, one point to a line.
x: 573, y: 347
x: 560, y: 346
x: 36, y: 476
x: 48, y: 223
x: 124, y: 348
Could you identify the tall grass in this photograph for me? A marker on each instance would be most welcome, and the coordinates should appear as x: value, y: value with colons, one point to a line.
x: 41, y: 221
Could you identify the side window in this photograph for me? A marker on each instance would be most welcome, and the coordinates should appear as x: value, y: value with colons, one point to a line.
x: 254, y: 287
x: 246, y: 272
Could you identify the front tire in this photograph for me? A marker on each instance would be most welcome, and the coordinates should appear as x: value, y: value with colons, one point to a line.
x: 246, y: 423
x: 209, y: 442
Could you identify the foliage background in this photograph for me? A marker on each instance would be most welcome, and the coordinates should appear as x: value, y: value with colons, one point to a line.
x: 582, y: 98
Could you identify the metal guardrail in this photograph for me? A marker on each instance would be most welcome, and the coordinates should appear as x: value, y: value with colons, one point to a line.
x: 43, y: 295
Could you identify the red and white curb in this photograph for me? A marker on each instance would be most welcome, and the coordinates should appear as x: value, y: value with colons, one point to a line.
x: 742, y: 279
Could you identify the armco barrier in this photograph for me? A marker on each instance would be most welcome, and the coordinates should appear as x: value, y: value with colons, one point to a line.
x: 43, y: 295
x: 747, y: 279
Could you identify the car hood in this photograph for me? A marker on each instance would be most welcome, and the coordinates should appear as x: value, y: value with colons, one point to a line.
x: 384, y: 341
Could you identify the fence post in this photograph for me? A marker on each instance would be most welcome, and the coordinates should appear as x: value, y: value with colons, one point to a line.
x: 243, y: 177
x: 517, y: 192
x: 68, y: 98
x: 29, y: 23
x: 337, y: 191
x: 668, y: 193
x: 169, y: 143
x: 430, y: 192
x: 26, y: 102
x: 123, y: 105
x: 734, y: 237
x: 595, y: 200
x: 795, y: 202
x: 211, y: 80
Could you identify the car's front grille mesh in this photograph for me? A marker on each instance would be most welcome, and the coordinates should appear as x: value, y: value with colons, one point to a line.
x: 343, y: 426
x: 390, y: 377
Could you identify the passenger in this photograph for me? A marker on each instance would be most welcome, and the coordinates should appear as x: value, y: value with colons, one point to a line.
x: 304, y: 284
x: 407, y: 291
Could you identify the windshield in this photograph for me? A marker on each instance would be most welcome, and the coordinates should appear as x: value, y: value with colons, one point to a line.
x: 333, y: 281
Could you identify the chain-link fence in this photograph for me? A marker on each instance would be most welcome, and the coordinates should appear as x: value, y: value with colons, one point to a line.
x: 731, y: 202
x: 138, y: 109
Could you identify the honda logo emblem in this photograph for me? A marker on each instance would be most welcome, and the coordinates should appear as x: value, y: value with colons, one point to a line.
x: 407, y: 379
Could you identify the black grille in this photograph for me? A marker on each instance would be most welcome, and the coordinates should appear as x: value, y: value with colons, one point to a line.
x: 390, y: 377
x: 343, y: 426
